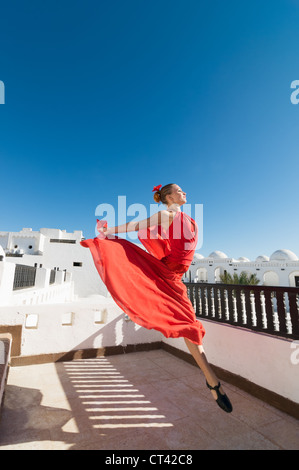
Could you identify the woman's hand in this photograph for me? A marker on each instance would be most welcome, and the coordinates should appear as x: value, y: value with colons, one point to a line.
x: 103, y: 229
x: 108, y: 230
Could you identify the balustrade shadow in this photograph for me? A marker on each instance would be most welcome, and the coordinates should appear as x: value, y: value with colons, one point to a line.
x: 106, y: 402
x: 96, y: 403
x: 106, y: 405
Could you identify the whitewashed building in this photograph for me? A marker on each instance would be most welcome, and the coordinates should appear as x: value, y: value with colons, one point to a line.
x: 63, y: 304
x: 280, y: 269
x: 55, y: 250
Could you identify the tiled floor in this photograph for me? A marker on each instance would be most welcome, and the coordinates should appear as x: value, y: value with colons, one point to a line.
x: 139, y: 401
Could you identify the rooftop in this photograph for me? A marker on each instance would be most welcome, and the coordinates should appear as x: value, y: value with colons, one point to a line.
x: 140, y: 401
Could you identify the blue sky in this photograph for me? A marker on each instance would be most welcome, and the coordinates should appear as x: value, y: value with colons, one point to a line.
x: 109, y: 98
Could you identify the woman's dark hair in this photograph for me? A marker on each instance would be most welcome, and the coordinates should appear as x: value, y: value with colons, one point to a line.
x: 160, y: 196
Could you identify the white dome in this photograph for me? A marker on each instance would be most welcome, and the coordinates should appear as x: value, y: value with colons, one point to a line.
x: 197, y: 256
x: 217, y: 254
x: 282, y: 255
x: 262, y: 258
x: 243, y: 258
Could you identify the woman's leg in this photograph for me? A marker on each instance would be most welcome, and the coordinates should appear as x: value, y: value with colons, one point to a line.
x: 198, y: 353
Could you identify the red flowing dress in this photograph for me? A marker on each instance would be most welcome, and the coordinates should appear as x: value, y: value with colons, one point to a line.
x: 147, y: 285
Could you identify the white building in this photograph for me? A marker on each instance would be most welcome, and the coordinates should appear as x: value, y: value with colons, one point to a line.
x: 65, y: 306
x: 280, y: 269
x: 56, y: 250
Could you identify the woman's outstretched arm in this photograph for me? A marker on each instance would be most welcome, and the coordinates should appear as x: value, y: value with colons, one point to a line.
x: 163, y: 218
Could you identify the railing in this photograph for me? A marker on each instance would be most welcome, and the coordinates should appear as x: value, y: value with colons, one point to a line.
x: 24, y: 276
x: 273, y: 310
x: 52, y: 276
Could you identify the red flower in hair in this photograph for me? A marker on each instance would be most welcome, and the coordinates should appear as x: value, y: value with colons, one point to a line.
x: 157, y: 188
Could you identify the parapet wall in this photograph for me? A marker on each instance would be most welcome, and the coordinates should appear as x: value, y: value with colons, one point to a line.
x: 264, y: 365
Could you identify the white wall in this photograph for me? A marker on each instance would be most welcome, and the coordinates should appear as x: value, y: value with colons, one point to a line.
x: 42, y: 292
x: 262, y: 359
x: 7, y: 272
x: 96, y: 322
x: 54, y: 293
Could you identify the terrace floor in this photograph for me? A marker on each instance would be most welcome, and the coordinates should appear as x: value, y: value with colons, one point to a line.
x: 138, y: 401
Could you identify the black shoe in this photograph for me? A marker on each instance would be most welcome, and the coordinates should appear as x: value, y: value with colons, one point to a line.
x: 222, y: 400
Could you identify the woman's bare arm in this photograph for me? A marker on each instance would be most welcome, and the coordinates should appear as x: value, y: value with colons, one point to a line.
x: 163, y: 218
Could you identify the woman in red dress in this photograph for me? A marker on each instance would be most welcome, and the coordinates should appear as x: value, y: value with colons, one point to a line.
x: 147, y: 285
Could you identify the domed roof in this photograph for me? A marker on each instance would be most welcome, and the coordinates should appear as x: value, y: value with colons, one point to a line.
x: 217, y: 254
x: 243, y: 258
x: 281, y: 255
x: 262, y: 258
x: 197, y: 256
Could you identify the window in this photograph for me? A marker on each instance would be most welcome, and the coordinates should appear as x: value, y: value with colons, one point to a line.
x: 100, y: 316
x: 31, y: 321
x: 61, y: 240
x: 297, y: 281
x: 67, y: 319
x: 77, y: 263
